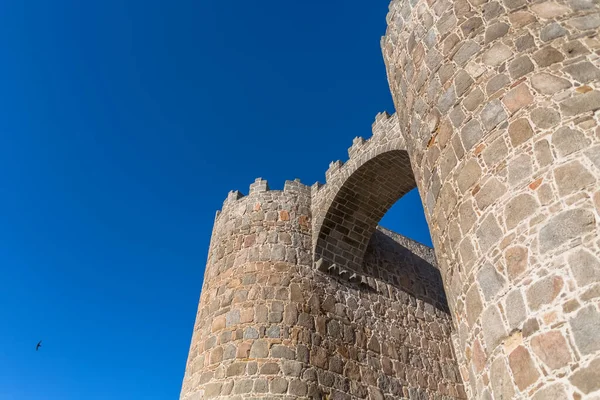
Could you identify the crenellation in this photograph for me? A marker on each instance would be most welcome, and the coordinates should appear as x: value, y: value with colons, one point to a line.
x: 334, y: 167
x: 259, y: 185
x: 357, y: 144
x: 296, y: 186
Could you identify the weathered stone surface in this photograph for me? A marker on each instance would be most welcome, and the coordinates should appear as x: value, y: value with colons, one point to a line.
x: 568, y: 141
x: 468, y: 175
x: 498, y: 82
x: 551, y: 392
x: 474, y: 305
x: 545, y: 118
x: 515, y: 309
x: 496, y: 31
x: 593, y: 154
x: 259, y: 349
x: 493, y: 114
x: 585, y: 267
x: 493, y: 328
x: 581, y: 103
x: 523, y: 367
x: 520, y: 169
x: 491, y: 191
x: 585, y: 326
x: 278, y: 385
x: 501, y: 381
x: 572, y: 177
x: 520, y: 208
x: 489, y: 233
x: 552, y: 31
x: 549, y: 9
x: 462, y: 82
x: 520, y: 131
x: 520, y: 66
x: 583, y: 72
x: 497, y: 54
x: 547, y: 56
x: 591, y: 21
x: 490, y: 281
x: 517, y: 98
x: 552, y: 348
x: 544, y: 291
x: 587, y: 379
x: 546, y: 83
x: 565, y: 226
x: 516, y: 261
x: 473, y: 100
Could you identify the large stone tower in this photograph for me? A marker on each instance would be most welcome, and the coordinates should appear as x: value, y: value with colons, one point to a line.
x: 498, y: 103
x: 498, y: 127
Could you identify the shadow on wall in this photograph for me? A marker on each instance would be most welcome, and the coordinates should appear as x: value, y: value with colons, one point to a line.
x: 402, y: 270
x: 408, y: 265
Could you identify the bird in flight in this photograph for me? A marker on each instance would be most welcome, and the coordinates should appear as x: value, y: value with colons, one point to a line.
x: 38, y: 345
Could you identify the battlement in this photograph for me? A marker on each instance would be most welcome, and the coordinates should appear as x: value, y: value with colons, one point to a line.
x: 384, y: 125
x: 261, y: 186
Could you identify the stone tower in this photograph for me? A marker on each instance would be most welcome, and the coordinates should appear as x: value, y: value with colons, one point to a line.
x: 498, y: 126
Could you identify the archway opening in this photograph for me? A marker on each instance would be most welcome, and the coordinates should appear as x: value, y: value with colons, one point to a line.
x: 407, y: 218
x: 396, y: 274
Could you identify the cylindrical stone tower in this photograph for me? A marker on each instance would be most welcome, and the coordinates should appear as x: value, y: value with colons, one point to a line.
x: 498, y: 102
x: 271, y: 325
x: 248, y: 302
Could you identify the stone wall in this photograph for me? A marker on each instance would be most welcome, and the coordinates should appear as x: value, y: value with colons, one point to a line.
x: 498, y: 126
x: 270, y: 325
x: 498, y: 103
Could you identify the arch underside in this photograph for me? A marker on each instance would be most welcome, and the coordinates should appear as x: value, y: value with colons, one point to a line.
x: 358, y: 206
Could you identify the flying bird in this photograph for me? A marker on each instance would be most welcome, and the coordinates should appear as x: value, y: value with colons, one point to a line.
x: 38, y: 345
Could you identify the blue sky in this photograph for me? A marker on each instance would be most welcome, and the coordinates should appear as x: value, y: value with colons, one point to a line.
x: 124, y: 125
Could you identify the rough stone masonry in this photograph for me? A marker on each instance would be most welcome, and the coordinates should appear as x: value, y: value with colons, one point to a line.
x: 498, y: 126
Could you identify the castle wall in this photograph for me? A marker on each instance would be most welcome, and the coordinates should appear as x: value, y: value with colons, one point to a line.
x: 270, y: 325
x: 498, y: 103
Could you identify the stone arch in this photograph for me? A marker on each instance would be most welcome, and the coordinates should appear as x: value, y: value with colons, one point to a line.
x: 358, y: 193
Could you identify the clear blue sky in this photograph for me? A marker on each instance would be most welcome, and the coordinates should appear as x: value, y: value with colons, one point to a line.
x: 124, y: 124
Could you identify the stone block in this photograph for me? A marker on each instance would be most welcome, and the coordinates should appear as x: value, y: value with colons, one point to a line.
x: 516, y: 313
x: 493, y: 114
x: 544, y: 291
x: 581, y: 103
x: 546, y: 83
x: 552, y: 348
x: 517, y: 98
x: 520, y: 131
x: 500, y: 380
x: 520, y: 66
x: 278, y: 385
x: 552, y: 31
x: 567, y: 141
x: 493, y: 328
x: 587, y: 379
x: 565, y: 226
x: 523, y: 368
x: 545, y: 117
x: 497, y: 54
x: 585, y: 267
x: 572, y: 177
x: 259, y: 349
x: 547, y: 56
x: 490, y: 281
x: 554, y: 391
x: 585, y: 326
x: 519, y: 208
